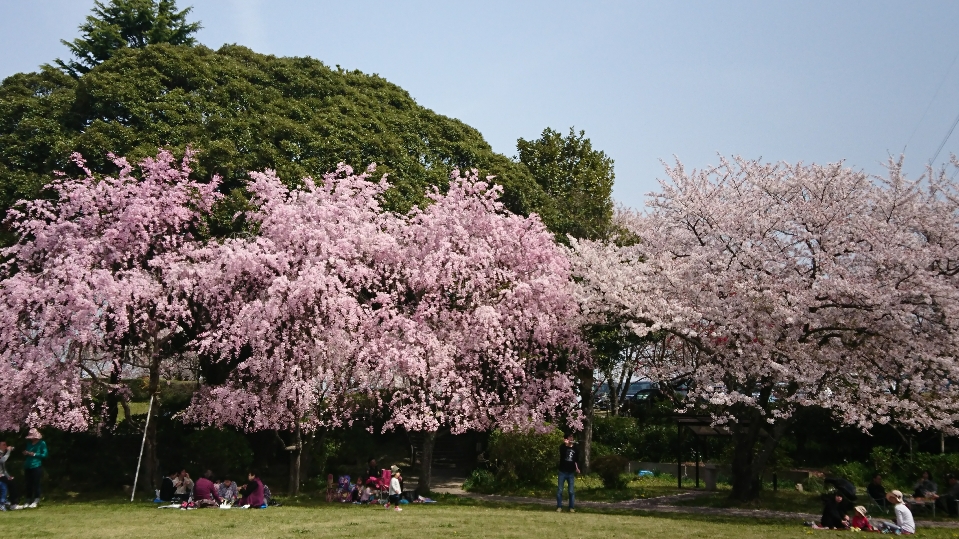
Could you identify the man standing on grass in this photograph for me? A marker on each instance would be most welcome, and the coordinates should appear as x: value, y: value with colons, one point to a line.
x: 568, y: 468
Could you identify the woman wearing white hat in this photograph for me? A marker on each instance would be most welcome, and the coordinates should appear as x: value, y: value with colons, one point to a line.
x: 35, y: 452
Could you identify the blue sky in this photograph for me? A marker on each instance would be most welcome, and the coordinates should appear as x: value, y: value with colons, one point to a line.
x: 798, y: 81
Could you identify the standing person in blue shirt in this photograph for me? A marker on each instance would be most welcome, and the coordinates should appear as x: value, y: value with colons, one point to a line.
x: 568, y: 468
x: 35, y: 452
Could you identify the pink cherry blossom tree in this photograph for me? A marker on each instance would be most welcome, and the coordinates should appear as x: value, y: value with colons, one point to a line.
x: 86, y: 291
x: 479, y: 328
x: 779, y: 286
x: 289, y: 308
x: 451, y: 316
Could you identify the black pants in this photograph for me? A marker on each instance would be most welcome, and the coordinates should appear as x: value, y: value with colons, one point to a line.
x: 33, y: 476
x: 11, y: 490
x: 948, y: 503
x: 395, y: 499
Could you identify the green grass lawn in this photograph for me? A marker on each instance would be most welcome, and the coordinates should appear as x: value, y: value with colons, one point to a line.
x: 113, y: 519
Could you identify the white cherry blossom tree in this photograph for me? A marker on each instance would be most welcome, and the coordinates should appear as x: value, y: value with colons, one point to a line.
x: 794, y: 285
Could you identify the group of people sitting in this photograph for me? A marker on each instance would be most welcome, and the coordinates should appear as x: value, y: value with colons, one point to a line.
x: 368, y: 485
x: 925, y: 492
x: 178, y: 487
x: 834, y: 516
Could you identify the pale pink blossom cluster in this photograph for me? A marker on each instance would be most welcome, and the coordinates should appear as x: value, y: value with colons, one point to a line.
x: 457, y: 315
x: 87, y: 284
x: 795, y: 285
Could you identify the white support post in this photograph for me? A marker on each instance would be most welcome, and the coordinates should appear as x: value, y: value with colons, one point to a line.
x: 142, y: 444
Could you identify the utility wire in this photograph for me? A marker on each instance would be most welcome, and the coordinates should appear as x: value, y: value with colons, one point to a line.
x: 931, y: 101
x: 946, y: 138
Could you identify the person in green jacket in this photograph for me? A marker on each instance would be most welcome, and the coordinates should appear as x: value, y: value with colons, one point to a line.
x: 35, y: 452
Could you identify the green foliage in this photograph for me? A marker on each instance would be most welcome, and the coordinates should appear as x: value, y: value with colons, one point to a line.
x: 480, y: 480
x: 883, y: 459
x: 611, y: 469
x: 938, y: 465
x: 127, y: 23
x: 857, y: 472
x: 621, y: 435
x: 244, y: 112
x: 524, y: 457
x: 651, y: 438
x: 579, y: 179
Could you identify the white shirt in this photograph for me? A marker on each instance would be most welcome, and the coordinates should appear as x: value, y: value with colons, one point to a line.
x: 395, y: 486
x: 904, y: 518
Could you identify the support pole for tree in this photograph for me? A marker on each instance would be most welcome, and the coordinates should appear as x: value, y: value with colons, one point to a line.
x: 698, y: 445
x: 146, y: 426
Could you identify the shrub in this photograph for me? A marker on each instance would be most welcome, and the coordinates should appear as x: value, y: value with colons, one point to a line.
x: 610, y: 469
x: 856, y: 472
x: 480, y: 481
x: 883, y: 459
x: 621, y: 435
x: 525, y: 457
x: 938, y: 465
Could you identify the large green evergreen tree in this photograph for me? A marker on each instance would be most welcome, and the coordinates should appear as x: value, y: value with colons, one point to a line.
x: 577, y: 177
x: 127, y: 23
x: 243, y: 111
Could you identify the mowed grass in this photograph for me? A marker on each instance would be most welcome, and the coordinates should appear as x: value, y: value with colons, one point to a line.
x: 116, y: 520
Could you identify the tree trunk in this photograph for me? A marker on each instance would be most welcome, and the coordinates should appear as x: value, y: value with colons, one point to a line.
x: 426, y: 463
x: 113, y: 398
x: 151, y: 458
x: 586, y: 380
x: 749, y: 462
x: 295, y: 454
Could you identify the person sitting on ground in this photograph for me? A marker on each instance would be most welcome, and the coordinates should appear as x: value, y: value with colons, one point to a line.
x: 204, y: 491
x: 227, y: 490
x: 168, y: 486
x: 367, y: 495
x: 926, y: 488
x: 395, y: 489
x: 8, y: 493
x: 184, y: 487
x: 252, y: 492
x: 904, y: 521
x: 832, y: 514
x: 860, y: 520
x: 950, y: 500
x: 876, y: 491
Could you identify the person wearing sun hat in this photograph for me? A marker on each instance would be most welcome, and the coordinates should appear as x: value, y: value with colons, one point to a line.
x: 860, y: 520
x: 904, y: 521
x: 35, y: 452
